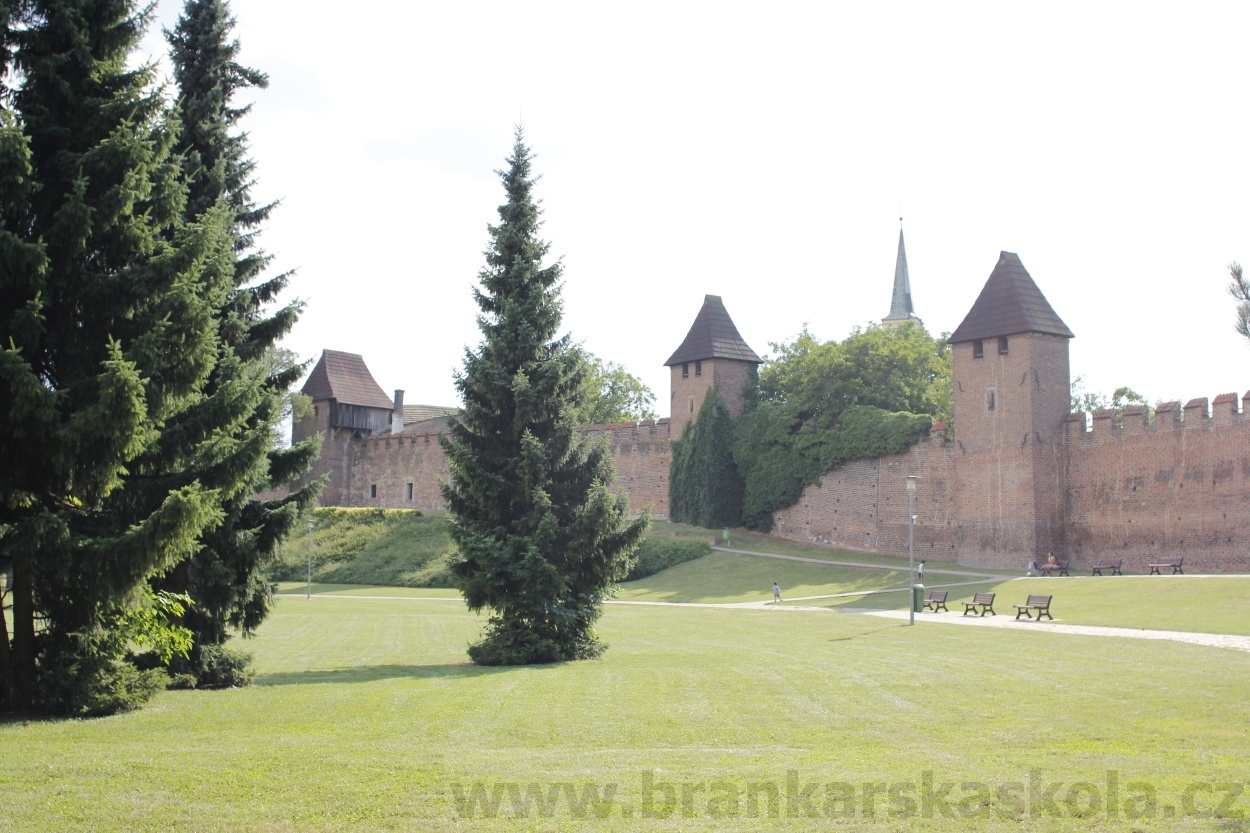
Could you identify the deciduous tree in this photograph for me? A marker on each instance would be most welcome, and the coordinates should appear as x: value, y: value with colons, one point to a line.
x: 612, y: 394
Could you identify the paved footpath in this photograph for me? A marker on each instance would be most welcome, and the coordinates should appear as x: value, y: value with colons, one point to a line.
x: 1213, y: 640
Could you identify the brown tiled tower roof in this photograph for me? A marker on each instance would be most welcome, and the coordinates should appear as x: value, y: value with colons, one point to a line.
x: 344, y: 376
x: 1009, y: 303
x: 713, y: 336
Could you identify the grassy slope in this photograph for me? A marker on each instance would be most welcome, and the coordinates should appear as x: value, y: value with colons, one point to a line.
x: 394, y: 547
x: 365, y: 713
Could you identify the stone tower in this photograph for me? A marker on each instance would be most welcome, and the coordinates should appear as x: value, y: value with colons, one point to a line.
x: 1011, y: 396
x: 712, y: 356
x: 347, y: 404
x: 901, y: 309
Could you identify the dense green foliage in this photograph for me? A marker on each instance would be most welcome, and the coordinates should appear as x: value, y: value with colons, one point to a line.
x: 135, y: 421
x: 657, y: 553
x: 899, y: 368
x: 610, y: 394
x: 705, y: 488
x: 224, y: 576
x: 815, y: 407
x: 392, y: 547
x: 108, y: 329
x: 780, y: 454
x: 541, y: 540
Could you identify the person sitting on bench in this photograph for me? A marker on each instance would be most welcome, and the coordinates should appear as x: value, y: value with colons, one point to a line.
x: 1052, y: 563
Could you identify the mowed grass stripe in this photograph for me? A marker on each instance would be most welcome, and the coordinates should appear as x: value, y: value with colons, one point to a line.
x: 365, y: 712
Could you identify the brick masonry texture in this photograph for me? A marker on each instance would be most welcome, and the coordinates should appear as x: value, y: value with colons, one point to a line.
x: 378, y: 471
x: 1020, y: 478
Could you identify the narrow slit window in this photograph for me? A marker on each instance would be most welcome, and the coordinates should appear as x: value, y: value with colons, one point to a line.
x: 698, y: 368
x: 373, y: 490
x: 1002, y: 345
x: 685, y: 370
x: 978, y: 349
x: 991, y: 399
x: 692, y: 404
x: 408, y: 491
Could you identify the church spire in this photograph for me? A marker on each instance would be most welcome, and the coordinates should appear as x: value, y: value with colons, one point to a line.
x: 901, y: 308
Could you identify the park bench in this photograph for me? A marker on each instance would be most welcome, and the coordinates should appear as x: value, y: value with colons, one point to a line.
x: 1112, y: 564
x: 985, y: 601
x: 936, y: 601
x: 1060, y: 565
x: 1174, y: 563
x: 1039, y: 603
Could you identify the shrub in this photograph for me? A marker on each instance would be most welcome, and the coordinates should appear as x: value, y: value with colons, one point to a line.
x: 85, y: 674
x: 222, y: 667
x: 656, y: 554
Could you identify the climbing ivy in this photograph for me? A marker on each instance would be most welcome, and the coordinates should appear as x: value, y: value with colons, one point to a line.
x: 705, y: 488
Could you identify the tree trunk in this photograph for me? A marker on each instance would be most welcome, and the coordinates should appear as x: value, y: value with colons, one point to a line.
x: 23, y: 664
x: 8, y: 682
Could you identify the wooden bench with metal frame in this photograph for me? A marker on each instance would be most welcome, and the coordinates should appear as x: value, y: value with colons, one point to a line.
x: 1174, y: 563
x: 1039, y: 603
x: 1112, y: 564
x: 985, y: 601
x: 936, y: 601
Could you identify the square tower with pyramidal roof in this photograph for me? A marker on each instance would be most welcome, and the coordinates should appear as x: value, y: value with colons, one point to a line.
x: 1012, y: 391
x: 713, y: 355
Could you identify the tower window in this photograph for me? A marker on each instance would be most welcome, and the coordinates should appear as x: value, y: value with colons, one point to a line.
x: 1002, y: 345
x: 698, y: 368
x: 316, y: 410
x: 373, y: 490
x: 685, y: 370
x: 692, y: 404
x: 991, y: 398
x: 978, y: 349
x: 408, y: 491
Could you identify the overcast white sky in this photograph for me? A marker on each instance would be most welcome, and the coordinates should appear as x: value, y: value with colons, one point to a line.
x: 762, y: 153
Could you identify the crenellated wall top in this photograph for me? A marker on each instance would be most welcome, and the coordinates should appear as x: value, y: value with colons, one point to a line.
x: 1167, y: 416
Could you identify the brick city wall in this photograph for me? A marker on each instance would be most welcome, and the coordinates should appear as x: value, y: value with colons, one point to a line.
x: 1179, y: 486
x: 406, y: 470
x: 863, y: 504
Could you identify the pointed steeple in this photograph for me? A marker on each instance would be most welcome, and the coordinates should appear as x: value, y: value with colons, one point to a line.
x: 901, y: 308
x: 1009, y: 303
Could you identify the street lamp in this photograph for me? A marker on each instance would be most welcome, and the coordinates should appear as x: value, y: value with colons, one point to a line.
x: 911, y: 547
x: 311, y: 524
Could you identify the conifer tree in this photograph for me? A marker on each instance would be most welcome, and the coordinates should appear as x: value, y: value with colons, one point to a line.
x: 224, y: 577
x: 109, y: 335
x: 541, y: 538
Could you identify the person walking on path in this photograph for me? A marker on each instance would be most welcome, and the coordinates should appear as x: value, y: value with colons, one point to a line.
x: 920, y: 573
x: 776, y: 592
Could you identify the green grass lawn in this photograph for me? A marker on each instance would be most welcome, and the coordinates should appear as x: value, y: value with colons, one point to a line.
x: 366, y: 716
x: 1202, y: 604
x: 727, y: 577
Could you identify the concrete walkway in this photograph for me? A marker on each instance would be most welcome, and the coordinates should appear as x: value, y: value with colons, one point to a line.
x: 1212, y: 640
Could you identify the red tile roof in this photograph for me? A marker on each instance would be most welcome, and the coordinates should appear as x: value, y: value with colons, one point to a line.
x: 344, y: 376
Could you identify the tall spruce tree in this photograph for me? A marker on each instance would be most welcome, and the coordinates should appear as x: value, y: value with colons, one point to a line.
x: 109, y: 337
x: 224, y: 577
x: 541, y: 538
